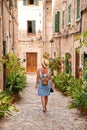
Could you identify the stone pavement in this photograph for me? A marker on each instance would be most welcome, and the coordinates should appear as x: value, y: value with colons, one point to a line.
x: 31, y: 117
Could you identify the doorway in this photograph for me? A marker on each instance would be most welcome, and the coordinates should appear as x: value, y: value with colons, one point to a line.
x: 31, y: 62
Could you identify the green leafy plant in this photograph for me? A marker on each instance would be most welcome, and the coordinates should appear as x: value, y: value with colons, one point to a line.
x: 63, y: 82
x: 66, y: 83
x: 79, y: 95
x: 15, y: 77
x: 68, y: 55
x: 54, y: 64
x: 6, y: 107
x: 83, y: 40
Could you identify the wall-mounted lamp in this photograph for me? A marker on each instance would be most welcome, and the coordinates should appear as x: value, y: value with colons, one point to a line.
x: 24, y: 60
x: 51, y: 40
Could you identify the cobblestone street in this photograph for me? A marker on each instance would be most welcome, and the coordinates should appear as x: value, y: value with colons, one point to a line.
x: 31, y: 117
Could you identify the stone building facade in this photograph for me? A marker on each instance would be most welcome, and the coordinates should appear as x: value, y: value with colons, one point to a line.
x: 68, y: 27
x: 68, y: 22
x: 1, y: 73
x: 9, y: 32
x: 63, y: 21
x: 30, y: 47
x: 83, y: 51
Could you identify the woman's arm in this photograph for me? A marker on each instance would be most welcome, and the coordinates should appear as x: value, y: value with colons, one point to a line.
x: 52, y: 85
x: 37, y: 78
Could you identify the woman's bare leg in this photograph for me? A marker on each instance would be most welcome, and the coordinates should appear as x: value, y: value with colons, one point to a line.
x: 43, y: 100
x: 46, y: 101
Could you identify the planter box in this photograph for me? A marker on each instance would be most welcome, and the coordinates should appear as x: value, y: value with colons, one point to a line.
x: 14, y: 98
x: 83, y: 111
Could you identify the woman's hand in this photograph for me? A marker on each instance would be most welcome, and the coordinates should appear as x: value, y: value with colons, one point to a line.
x: 36, y: 86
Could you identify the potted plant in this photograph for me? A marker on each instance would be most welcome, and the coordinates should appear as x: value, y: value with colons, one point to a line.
x: 5, y: 106
x: 46, y: 55
x: 79, y: 97
x: 15, y: 77
x: 62, y: 65
x: 69, y: 57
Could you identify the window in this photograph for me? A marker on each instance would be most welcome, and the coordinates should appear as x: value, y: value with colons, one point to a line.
x: 69, y: 13
x: 31, y: 27
x: 57, y: 18
x: 78, y: 9
x: 36, y: 2
x: 30, y: 2
x: 63, y: 13
x: 24, y: 2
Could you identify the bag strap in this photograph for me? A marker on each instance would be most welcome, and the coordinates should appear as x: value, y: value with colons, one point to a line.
x: 42, y: 75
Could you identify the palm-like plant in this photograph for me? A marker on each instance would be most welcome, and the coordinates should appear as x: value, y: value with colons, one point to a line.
x: 15, y: 78
x: 5, y: 106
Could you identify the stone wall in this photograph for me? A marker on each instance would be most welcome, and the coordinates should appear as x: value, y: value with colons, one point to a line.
x: 1, y: 70
x: 64, y: 39
x: 47, y: 26
x: 8, y: 30
x: 11, y: 20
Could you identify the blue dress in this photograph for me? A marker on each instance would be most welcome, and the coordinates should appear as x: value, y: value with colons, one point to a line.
x: 43, y: 90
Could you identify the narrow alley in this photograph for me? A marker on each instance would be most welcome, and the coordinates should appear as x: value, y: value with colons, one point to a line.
x: 31, y: 117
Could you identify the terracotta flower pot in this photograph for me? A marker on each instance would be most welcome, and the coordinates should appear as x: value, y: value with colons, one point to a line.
x: 83, y: 111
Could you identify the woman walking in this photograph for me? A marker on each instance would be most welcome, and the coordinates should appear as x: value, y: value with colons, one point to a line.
x: 44, y: 82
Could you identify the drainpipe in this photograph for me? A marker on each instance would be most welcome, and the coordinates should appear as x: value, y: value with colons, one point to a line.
x: 13, y: 18
x: 80, y: 30
x: 59, y: 47
x: 4, y: 42
x: 44, y: 19
x: 11, y: 7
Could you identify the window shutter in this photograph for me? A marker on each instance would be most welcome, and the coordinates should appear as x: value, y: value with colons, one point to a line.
x: 57, y: 16
x: 36, y: 2
x: 58, y: 13
x: 63, y: 18
x: 10, y: 3
x: 69, y: 13
x: 24, y: 2
x: 33, y: 27
x: 78, y: 9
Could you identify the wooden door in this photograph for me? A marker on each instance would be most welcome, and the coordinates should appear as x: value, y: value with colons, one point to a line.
x: 77, y: 64
x: 31, y: 62
x: 67, y: 64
